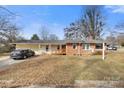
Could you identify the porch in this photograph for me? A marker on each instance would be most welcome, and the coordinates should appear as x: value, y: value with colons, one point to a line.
x: 53, y: 49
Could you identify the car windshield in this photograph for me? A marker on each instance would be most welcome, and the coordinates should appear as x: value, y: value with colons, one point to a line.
x: 16, y: 51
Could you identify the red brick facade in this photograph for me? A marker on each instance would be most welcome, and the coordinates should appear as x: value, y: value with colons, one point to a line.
x: 79, y: 50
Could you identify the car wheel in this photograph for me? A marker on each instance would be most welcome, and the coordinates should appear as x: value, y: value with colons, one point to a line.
x: 25, y: 57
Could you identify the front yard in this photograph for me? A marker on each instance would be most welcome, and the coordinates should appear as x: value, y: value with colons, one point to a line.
x: 62, y: 70
x: 4, y: 54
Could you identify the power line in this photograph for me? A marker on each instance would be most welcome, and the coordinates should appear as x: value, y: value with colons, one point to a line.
x: 8, y: 11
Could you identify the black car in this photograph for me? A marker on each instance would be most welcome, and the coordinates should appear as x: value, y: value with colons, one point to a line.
x: 22, y: 54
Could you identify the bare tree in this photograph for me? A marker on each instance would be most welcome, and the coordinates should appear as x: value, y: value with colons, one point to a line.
x: 44, y: 33
x: 74, y: 31
x: 118, y: 32
x: 90, y: 25
x: 9, y: 31
x: 93, y: 21
x: 120, y: 39
x: 53, y: 37
x: 111, y: 39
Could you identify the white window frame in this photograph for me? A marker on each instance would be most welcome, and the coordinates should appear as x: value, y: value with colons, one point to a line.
x: 85, y: 48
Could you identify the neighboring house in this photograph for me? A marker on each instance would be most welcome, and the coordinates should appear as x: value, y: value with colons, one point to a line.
x: 66, y: 47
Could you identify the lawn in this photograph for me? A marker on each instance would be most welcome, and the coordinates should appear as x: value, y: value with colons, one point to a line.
x: 63, y: 70
x: 4, y: 54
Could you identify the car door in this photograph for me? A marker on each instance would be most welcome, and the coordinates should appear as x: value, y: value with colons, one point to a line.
x: 25, y: 53
x: 29, y: 53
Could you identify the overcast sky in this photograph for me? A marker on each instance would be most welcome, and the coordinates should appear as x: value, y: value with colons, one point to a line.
x: 56, y: 18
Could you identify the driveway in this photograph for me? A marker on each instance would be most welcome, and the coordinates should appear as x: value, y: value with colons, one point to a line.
x: 5, y: 62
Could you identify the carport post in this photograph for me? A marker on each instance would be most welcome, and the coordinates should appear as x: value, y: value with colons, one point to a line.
x: 103, y: 51
x: 50, y: 48
x: 39, y: 46
x: 60, y: 49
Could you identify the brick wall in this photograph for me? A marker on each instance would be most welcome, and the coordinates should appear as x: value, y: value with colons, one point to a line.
x: 79, y: 49
x: 70, y: 50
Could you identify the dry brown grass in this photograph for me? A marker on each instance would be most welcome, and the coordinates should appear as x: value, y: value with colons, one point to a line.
x: 63, y: 70
x: 4, y: 54
x: 42, y: 70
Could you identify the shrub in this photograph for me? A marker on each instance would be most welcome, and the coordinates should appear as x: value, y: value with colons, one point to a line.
x: 6, y: 49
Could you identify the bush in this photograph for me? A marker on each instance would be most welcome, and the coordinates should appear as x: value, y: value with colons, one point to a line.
x: 6, y: 49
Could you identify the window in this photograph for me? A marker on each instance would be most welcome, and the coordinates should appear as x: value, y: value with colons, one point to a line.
x: 98, y: 46
x: 74, y: 46
x: 86, y: 46
x: 47, y: 47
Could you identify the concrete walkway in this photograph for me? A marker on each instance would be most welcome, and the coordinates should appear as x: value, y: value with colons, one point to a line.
x: 5, y: 62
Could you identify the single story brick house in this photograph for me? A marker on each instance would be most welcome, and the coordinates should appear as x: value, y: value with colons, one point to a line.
x: 66, y: 47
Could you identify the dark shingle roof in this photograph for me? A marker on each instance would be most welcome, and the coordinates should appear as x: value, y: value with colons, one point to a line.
x: 84, y: 41
x: 43, y: 41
